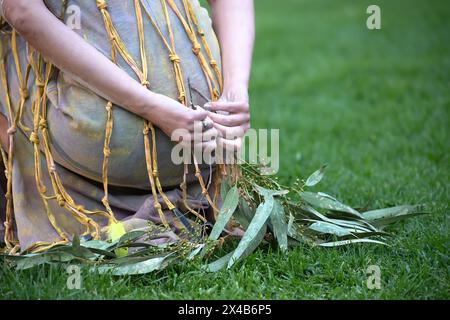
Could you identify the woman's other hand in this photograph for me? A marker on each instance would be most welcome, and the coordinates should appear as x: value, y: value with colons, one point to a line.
x: 231, y: 116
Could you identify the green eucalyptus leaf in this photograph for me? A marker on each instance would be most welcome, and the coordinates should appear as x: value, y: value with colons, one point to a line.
x: 316, y: 177
x: 293, y: 230
x: 101, y: 252
x: 267, y: 193
x: 346, y: 242
x: 219, y: 263
x: 228, y: 208
x: 329, y: 228
x: 32, y: 261
x: 383, y: 217
x: 130, y: 236
x: 195, y: 251
x: 279, y: 226
x: 224, y: 188
x: 43, y: 258
x: 136, y: 245
x: 255, y: 231
x: 360, y: 225
x: 324, y: 201
x: 142, y: 267
x: 76, y: 249
x: 97, y: 244
x: 244, y: 214
x: 76, y: 242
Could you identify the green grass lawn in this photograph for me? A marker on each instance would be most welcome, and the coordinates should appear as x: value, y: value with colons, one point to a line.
x: 374, y: 106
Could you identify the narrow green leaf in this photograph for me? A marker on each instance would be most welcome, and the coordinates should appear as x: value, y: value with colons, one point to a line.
x: 76, y: 249
x: 280, y: 228
x: 244, y: 213
x: 228, y: 208
x: 346, y: 242
x: 102, y: 252
x: 30, y: 262
x: 329, y: 228
x: 130, y: 236
x: 224, y: 188
x: 43, y: 258
x: 293, y: 231
x: 340, y: 222
x: 316, y: 177
x: 267, y: 193
x: 219, y: 263
x: 195, y: 251
x: 76, y: 242
x: 255, y: 231
x: 324, y: 201
x: 383, y: 217
x: 142, y: 267
x: 97, y: 244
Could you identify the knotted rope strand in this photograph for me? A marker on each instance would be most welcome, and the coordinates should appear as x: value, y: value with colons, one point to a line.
x: 9, y: 227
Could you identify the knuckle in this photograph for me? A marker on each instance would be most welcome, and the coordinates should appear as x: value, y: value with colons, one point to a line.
x: 189, y: 118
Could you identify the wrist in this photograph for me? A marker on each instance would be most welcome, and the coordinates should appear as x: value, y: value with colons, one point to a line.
x: 148, y: 104
x: 236, y: 91
x: 235, y: 84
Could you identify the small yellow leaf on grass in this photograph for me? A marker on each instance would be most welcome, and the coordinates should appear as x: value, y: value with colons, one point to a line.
x: 115, y: 231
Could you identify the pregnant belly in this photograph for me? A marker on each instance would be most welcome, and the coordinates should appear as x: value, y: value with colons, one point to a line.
x: 77, y: 116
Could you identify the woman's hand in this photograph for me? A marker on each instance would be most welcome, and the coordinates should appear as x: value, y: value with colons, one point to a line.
x: 231, y: 115
x: 234, y: 24
x: 177, y: 121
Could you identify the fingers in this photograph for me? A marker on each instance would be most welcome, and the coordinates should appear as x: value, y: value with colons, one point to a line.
x: 207, y: 135
x: 231, y: 120
x: 197, y: 115
x: 231, y: 107
x: 207, y: 146
x: 230, y: 145
x: 231, y: 133
x: 198, y: 137
x: 193, y: 118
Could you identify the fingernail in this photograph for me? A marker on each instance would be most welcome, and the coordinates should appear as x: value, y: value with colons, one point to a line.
x: 207, y: 106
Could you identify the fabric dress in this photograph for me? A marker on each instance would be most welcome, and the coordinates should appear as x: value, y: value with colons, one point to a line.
x: 58, y: 126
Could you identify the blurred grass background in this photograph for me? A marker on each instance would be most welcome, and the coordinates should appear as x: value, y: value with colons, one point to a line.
x: 372, y: 104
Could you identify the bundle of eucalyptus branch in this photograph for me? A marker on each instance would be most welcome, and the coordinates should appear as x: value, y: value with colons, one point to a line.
x: 267, y: 212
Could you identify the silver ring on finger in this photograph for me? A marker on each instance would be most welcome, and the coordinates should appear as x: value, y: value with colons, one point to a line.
x: 206, y: 125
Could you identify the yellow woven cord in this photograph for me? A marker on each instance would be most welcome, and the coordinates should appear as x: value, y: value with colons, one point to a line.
x: 107, y: 151
x: 9, y: 228
x: 222, y: 169
x: 24, y: 94
x: 180, y: 85
x: 9, y: 248
x: 152, y: 167
x: 196, y: 48
x: 213, y: 63
x: 182, y: 98
x: 117, y: 42
x: 34, y: 138
x: 39, y: 126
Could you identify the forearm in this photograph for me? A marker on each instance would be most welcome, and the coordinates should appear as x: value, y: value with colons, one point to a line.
x: 70, y: 53
x: 234, y: 24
